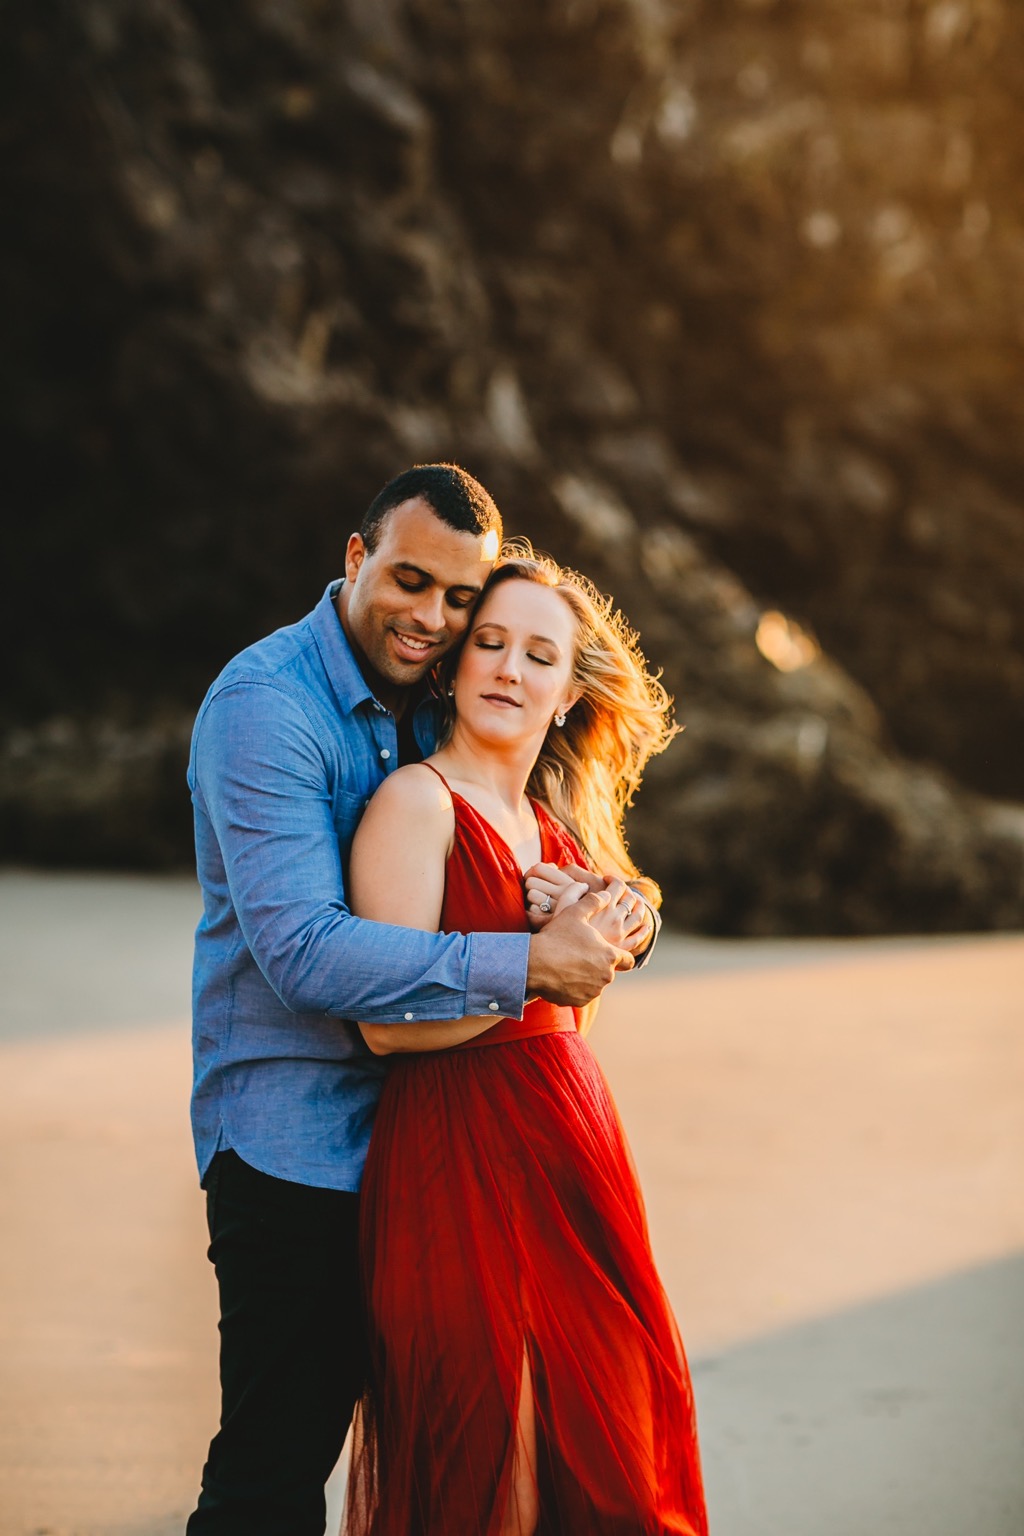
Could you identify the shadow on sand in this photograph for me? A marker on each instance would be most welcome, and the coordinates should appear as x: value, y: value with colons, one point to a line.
x: 902, y: 1417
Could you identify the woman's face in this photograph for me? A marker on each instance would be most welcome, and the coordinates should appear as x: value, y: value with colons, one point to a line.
x: 515, y: 671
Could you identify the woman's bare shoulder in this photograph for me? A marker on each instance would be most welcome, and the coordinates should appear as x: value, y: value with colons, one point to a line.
x: 413, y: 790
x: 397, y: 860
x: 409, y: 819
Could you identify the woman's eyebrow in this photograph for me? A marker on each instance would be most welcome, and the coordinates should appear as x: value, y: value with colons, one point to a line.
x: 541, y: 639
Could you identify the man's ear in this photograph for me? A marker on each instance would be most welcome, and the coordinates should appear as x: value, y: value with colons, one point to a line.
x: 355, y: 554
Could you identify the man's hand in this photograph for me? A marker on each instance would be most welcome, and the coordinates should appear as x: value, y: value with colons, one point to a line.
x: 571, y: 961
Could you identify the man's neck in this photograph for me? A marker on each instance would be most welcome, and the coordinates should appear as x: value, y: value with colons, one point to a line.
x: 391, y: 695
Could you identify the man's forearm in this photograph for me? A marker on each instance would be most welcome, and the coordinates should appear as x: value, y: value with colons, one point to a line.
x: 267, y: 823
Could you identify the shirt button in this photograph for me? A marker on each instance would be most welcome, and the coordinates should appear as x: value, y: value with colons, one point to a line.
x: 385, y: 754
x: 493, y: 1007
x: 408, y: 1015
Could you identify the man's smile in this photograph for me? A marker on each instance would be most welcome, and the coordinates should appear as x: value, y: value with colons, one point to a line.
x: 417, y: 645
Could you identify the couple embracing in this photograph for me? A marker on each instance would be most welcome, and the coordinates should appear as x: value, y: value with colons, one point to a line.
x: 421, y: 1206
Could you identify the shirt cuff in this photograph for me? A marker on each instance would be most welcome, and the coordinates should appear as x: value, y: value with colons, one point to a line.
x: 497, y: 974
x: 642, y: 959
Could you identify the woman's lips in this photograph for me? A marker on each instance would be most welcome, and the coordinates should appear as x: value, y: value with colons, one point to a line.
x: 502, y: 699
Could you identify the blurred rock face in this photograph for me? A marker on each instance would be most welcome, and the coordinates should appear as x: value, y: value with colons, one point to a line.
x: 720, y: 300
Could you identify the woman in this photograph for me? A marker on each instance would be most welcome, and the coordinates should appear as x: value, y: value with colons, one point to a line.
x: 527, y: 1373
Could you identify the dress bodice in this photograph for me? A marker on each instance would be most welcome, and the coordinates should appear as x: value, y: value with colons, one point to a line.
x: 484, y: 893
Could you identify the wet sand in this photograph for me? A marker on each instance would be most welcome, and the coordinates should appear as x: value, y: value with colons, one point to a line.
x: 831, y: 1142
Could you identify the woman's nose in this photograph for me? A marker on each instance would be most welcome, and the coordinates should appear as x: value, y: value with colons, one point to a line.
x: 509, y: 666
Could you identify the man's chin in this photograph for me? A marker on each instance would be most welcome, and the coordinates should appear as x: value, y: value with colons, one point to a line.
x: 406, y: 674
x: 404, y: 667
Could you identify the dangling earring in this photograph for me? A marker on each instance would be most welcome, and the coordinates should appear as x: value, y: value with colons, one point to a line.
x: 559, y: 720
x: 451, y: 690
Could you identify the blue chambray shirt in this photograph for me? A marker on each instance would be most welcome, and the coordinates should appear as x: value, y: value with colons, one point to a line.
x: 288, y: 747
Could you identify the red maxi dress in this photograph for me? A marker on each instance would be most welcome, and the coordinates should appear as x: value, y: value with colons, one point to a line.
x: 502, y: 1221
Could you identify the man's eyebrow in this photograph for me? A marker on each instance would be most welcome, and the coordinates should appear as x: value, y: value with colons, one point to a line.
x: 417, y: 570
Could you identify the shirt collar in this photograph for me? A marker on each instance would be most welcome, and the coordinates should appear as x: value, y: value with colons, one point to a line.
x: 350, y: 686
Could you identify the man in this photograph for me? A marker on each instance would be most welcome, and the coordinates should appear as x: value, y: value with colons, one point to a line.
x: 289, y: 745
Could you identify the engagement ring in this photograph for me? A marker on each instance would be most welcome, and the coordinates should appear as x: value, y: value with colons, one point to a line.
x: 545, y: 905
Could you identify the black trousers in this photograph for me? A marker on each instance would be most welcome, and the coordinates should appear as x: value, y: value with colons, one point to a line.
x: 292, y: 1350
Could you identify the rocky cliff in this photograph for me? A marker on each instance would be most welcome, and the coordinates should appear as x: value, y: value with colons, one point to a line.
x: 719, y: 299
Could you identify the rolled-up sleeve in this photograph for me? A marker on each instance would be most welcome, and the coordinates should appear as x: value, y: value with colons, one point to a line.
x: 260, y: 779
x: 642, y: 959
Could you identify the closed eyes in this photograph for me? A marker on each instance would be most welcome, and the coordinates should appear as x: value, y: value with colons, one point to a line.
x: 496, y: 645
x: 420, y: 586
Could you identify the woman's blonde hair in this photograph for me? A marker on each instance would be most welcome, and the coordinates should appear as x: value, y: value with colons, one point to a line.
x: 589, y: 769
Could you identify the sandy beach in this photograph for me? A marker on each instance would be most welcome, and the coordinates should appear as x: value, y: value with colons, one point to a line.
x: 830, y: 1137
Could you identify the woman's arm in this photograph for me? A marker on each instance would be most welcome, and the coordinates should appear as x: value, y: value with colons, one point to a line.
x: 396, y: 875
x: 586, y: 1016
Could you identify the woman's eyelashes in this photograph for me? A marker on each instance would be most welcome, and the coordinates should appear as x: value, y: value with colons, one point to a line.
x: 496, y: 645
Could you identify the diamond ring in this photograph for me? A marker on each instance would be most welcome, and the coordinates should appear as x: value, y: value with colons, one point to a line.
x: 545, y: 905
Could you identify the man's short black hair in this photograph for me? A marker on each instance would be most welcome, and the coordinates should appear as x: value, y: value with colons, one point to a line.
x: 449, y: 491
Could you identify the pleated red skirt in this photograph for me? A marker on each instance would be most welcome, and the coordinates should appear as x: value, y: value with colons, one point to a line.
x: 502, y: 1224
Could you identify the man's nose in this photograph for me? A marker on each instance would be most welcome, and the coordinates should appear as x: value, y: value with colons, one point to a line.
x: 428, y: 611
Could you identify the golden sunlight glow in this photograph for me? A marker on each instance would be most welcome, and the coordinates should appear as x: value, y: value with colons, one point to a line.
x: 782, y: 642
x: 490, y: 545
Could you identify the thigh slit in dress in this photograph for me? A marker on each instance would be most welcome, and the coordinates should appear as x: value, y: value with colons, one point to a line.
x: 502, y: 1220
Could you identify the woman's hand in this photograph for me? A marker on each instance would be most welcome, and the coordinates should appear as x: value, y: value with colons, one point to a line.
x: 550, y: 890
x: 625, y: 921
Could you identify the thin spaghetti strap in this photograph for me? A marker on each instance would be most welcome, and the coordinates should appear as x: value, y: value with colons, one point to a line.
x: 440, y: 775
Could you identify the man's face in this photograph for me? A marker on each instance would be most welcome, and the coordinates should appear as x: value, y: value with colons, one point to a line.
x: 407, y: 603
